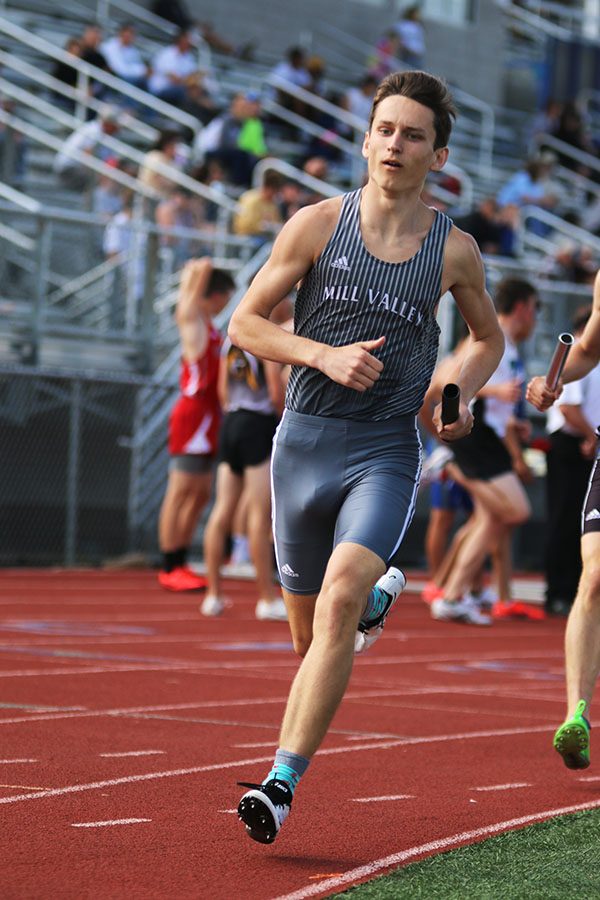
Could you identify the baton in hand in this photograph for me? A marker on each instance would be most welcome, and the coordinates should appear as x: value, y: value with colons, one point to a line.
x: 450, y: 403
x: 563, y: 345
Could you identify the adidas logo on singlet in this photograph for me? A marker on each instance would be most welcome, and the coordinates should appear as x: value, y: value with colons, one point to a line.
x: 341, y: 263
x: 592, y: 515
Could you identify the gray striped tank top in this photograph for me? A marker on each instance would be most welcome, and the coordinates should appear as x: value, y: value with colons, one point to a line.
x: 349, y: 295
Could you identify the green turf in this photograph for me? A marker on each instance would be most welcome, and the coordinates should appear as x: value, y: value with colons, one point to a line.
x: 554, y: 860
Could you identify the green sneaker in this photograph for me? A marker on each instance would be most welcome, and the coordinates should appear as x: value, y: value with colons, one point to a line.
x: 572, y: 740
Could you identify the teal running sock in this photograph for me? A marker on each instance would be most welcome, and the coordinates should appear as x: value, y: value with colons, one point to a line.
x: 376, y: 603
x: 288, y: 767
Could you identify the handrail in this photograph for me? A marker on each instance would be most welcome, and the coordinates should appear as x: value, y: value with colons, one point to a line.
x: 56, y: 144
x: 10, y: 234
x: 294, y: 174
x: 581, y: 21
x: 559, y: 226
x: 586, y: 159
x: 535, y: 21
x: 122, y: 149
x: 85, y: 101
x: 87, y: 71
x: 19, y: 199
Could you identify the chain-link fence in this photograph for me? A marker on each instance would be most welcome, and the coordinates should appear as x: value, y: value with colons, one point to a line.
x: 70, y: 491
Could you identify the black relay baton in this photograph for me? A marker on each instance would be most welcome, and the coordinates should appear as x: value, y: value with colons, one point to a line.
x: 450, y: 403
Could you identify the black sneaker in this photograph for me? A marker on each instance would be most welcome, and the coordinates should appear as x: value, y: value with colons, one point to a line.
x: 264, y: 809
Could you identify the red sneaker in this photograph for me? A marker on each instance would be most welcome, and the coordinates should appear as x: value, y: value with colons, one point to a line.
x: 181, y: 579
x: 431, y: 592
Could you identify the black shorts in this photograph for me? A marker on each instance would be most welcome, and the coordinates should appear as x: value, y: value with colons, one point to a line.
x: 246, y: 439
x: 590, y: 517
x: 481, y: 454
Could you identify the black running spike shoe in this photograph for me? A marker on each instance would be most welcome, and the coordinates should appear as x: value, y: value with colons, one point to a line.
x: 264, y: 809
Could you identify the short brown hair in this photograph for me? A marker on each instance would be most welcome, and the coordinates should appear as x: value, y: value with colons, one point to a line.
x: 510, y: 291
x: 425, y: 89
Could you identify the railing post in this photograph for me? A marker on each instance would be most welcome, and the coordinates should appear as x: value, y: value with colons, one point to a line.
x: 147, y: 317
x: 73, y: 465
x: 44, y: 233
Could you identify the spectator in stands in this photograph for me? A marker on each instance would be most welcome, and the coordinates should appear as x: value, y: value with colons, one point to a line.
x: 174, y: 68
x: 292, y: 69
x: 194, y: 422
x: 572, y: 129
x: 411, y: 32
x: 13, y: 147
x: 181, y: 209
x: 201, y: 100
x: 571, y: 262
x: 259, y: 213
x: 173, y: 11
x: 165, y: 152
x: 544, y: 122
x: 123, y: 239
x: 385, y: 59
x: 532, y: 186
x: 483, y: 223
x: 359, y: 99
x: 108, y: 194
x: 124, y: 58
x: 72, y: 172
x: 213, y: 175
x: 90, y: 53
x: 230, y: 142
x: 66, y: 73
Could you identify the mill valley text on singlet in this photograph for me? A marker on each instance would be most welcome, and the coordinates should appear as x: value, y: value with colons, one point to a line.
x: 350, y: 295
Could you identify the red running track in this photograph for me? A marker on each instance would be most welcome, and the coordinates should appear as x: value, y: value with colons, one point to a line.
x: 126, y: 719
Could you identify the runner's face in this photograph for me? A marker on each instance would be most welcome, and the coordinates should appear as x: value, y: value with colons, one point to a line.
x: 399, y: 146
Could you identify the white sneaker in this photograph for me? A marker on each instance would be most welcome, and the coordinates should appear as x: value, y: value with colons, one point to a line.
x: 391, y: 586
x: 485, y: 599
x: 465, y: 610
x: 212, y: 606
x: 273, y: 610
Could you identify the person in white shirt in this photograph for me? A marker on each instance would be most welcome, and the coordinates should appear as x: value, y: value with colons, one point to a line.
x: 411, y: 32
x: 72, y: 172
x: 173, y: 68
x: 571, y: 424
x: 359, y: 99
x: 491, y: 458
x: 124, y: 59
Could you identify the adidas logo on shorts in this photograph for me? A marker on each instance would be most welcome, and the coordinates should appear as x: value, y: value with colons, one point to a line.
x: 592, y: 515
x: 287, y: 570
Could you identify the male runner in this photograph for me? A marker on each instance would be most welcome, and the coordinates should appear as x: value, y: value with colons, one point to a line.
x: 373, y: 266
x: 582, y: 638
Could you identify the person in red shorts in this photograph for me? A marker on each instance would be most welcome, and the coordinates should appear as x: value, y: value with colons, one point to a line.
x: 194, y: 423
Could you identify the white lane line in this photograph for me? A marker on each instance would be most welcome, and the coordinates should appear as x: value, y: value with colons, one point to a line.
x: 253, y: 745
x: 211, y: 767
x: 396, y: 859
x: 11, y: 762
x: 132, y: 753
x: 589, y: 778
x: 228, y: 811
x: 110, y: 822
x: 502, y: 787
x: 380, y: 799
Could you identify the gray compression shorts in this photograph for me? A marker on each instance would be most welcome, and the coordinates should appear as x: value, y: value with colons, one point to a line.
x: 337, y: 480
